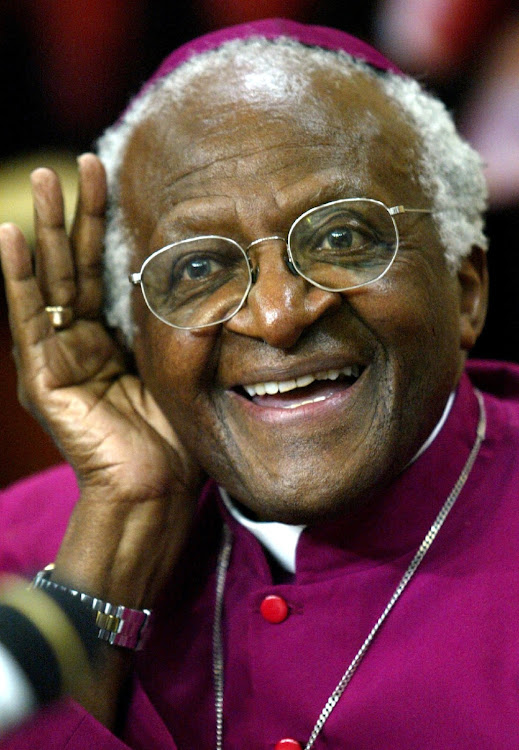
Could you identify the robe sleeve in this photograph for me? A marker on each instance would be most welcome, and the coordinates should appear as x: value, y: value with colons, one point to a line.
x: 67, y: 726
x: 33, y: 517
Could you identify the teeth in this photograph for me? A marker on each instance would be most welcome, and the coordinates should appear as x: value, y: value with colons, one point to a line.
x: 272, y: 387
x: 304, y: 403
x: 305, y: 380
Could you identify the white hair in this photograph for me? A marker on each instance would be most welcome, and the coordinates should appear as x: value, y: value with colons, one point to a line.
x: 449, y: 170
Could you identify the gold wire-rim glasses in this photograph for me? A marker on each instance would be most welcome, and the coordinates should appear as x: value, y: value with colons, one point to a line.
x: 293, y: 263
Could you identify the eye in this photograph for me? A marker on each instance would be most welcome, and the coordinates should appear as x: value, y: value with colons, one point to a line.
x: 196, y: 269
x: 335, y: 231
x: 191, y: 277
x: 200, y: 274
x: 338, y: 239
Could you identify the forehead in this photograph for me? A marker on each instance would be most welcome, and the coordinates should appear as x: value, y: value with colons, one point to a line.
x: 246, y: 129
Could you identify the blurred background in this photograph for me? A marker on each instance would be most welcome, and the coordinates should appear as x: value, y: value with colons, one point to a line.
x: 68, y: 68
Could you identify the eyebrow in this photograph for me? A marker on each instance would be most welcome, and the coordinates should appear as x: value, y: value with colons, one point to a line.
x: 192, y: 213
x: 324, y: 187
x: 202, y: 213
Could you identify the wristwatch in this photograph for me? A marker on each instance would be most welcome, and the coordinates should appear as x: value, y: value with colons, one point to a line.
x: 116, y: 624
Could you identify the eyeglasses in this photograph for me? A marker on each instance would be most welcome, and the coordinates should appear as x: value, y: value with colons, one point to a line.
x: 338, y: 246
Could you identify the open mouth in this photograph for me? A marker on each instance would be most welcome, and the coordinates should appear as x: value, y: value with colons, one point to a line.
x: 307, y: 389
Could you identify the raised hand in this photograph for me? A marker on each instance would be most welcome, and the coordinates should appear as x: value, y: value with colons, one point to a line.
x: 138, y: 485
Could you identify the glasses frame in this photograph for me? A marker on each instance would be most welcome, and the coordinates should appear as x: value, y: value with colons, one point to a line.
x: 136, y: 278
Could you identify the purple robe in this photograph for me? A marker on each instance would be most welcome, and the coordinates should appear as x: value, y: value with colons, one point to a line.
x: 443, y: 671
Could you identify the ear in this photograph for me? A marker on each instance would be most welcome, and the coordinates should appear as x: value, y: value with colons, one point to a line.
x: 473, y: 289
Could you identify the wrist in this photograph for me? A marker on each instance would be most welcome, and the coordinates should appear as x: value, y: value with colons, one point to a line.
x: 114, y: 623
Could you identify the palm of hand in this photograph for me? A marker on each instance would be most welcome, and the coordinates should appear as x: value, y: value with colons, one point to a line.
x: 137, y: 483
x: 103, y: 417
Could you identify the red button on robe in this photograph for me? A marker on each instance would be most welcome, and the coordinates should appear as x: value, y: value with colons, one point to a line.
x: 274, y: 609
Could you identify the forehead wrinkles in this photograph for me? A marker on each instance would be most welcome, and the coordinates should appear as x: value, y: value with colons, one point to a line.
x: 250, y: 172
x: 239, y: 126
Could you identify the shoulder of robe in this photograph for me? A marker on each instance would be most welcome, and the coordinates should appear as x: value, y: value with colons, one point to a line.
x: 34, y: 513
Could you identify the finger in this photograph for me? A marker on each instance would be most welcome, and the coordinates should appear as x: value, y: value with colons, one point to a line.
x: 88, y: 235
x: 29, y: 322
x: 54, y: 262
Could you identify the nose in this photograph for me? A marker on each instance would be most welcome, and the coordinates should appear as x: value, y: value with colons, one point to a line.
x: 281, y: 304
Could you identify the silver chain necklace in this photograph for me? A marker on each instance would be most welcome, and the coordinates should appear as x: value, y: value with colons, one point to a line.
x: 221, y: 572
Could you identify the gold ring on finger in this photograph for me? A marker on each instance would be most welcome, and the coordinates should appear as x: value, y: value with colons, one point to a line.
x: 60, y: 316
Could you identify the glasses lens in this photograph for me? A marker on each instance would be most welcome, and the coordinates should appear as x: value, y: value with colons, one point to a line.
x: 197, y: 282
x: 344, y: 244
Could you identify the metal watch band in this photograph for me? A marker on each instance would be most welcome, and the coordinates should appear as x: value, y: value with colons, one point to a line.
x: 118, y: 625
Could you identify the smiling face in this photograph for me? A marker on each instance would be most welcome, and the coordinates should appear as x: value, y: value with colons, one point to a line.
x: 354, y: 382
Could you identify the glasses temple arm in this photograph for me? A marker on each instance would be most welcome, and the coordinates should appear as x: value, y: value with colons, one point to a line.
x: 403, y: 210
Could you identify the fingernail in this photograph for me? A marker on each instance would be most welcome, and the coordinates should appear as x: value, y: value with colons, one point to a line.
x: 81, y: 158
x: 6, y: 230
x: 38, y: 175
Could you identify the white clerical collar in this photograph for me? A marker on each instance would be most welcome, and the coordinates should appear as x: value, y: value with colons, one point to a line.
x: 436, y: 431
x: 280, y: 539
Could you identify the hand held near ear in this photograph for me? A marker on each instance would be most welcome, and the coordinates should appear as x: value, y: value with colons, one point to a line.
x: 138, y: 485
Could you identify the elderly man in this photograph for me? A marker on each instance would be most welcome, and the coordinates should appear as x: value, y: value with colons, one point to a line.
x: 305, y: 228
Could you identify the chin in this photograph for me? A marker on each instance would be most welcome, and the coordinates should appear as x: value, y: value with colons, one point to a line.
x: 305, y: 503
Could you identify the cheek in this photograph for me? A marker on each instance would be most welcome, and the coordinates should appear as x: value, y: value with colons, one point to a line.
x: 174, y: 367
x: 415, y: 315
x: 422, y: 296
x: 157, y: 349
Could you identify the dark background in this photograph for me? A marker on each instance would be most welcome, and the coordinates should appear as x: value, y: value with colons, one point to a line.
x: 68, y: 68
